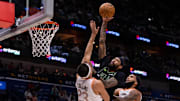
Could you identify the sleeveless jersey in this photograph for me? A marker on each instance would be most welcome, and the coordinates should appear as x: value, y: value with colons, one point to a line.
x: 124, y: 93
x: 85, y: 91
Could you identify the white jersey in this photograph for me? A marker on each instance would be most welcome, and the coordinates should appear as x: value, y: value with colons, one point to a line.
x: 85, y: 91
x: 125, y: 93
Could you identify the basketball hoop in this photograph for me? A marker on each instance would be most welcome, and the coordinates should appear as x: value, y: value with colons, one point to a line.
x: 42, y: 36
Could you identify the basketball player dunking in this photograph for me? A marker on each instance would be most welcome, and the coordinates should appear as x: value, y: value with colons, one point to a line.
x: 110, y: 71
x: 89, y: 88
x: 129, y: 93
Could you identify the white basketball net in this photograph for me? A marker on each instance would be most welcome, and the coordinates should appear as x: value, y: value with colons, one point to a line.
x: 42, y: 36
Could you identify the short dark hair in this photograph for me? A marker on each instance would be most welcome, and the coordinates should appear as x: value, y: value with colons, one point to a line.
x: 124, y: 60
x: 82, y: 70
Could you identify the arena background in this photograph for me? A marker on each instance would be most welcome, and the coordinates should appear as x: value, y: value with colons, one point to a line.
x: 147, y: 33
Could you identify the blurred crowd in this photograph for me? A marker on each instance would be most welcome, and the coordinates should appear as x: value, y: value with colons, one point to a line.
x: 142, y: 59
x: 155, y: 63
x: 129, y: 15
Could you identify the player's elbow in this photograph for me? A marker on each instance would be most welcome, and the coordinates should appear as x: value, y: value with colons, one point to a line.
x: 109, y: 84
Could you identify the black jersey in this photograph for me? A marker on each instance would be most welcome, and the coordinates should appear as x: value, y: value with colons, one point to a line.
x: 104, y: 74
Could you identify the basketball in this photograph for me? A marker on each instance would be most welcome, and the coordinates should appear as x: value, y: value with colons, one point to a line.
x: 107, y: 10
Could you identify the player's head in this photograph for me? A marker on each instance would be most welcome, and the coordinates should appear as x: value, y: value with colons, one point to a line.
x: 116, y: 63
x: 84, y: 70
x: 133, y: 81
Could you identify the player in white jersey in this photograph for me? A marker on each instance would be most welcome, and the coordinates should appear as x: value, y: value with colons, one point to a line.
x: 89, y: 88
x: 130, y: 93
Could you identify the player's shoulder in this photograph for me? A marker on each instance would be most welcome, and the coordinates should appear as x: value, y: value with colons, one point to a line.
x: 136, y: 91
x: 97, y: 83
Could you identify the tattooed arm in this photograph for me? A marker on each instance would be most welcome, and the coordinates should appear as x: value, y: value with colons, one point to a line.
x: 118, y: 79
x: 134, y: 95
x: 110, y: 83
x: 102, y: 39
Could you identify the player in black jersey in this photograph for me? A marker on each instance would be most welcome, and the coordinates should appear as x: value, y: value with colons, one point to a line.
x: 110, y: 68
x: 110, y: 71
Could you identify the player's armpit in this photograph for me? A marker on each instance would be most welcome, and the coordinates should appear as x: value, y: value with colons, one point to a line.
x: 100, y: 89
x: 110, y: 83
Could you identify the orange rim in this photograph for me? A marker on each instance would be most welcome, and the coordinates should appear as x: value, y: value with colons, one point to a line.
x: 51, y: 22
x: 48, y: 22
x: 43, y: 28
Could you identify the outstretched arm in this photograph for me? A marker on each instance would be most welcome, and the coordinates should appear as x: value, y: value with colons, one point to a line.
x: 89, y: 47
x: 118, y: 79
x: 134, y: 94
x: 112, y: 82
x: 102, y: 39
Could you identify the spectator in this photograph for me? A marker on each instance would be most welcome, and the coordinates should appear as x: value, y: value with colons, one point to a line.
x: 57, y: 73
x: 20, y: 68
x: 34, y: 96
x: 63, y: 96
x: 28, y: 95
x: 54, y: 94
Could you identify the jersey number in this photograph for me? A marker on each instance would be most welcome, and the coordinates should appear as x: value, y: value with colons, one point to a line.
x: 83, y: 94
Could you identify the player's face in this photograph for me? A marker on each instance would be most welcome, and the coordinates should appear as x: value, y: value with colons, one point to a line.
x: 115, y: 62
x: 131, y: 78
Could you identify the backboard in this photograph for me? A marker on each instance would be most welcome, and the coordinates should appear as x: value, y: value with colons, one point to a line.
x: 28, y: 13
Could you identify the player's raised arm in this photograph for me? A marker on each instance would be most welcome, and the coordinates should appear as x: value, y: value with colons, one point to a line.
x: 102, y: 39
x: 89, y: 47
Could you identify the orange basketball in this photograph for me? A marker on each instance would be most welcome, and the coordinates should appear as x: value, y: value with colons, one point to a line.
x: 107, y: 10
